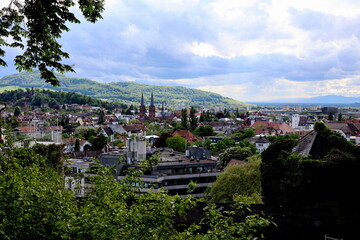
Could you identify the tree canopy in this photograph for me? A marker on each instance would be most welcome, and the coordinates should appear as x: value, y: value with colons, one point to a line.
x: 321, y: 183
x: 239, y: 181
x: 177, y: 143
x: 36, y: 205
x: 34, y: 27
x: 238, y: 153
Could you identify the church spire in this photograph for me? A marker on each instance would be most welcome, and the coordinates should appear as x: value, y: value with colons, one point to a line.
x: 152, y: 107
x: 142, y: 107
x: 152, y: 99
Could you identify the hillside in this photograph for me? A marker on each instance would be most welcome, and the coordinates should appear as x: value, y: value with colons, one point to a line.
x: 125, y: 92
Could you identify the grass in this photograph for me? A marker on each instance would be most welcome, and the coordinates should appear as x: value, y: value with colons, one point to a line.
x: 10, y: 88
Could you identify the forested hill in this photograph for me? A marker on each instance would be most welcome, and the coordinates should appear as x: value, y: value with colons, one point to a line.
x: 124, y: 92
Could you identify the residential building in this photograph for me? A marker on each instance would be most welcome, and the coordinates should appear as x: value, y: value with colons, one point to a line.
x: 262, y: 143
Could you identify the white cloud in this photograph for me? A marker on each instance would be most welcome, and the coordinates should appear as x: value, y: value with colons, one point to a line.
x: 248, y: 49
x: 283, y: 88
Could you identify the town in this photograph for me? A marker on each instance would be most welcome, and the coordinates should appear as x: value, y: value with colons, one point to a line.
x: 190, y: 144
x: 179, y: 120
x: 174, y: 149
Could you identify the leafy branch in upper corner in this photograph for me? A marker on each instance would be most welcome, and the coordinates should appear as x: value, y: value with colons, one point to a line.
x: 35, y: 25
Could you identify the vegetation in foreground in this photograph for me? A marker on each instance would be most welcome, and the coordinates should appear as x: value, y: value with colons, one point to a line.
x: 36, y: 205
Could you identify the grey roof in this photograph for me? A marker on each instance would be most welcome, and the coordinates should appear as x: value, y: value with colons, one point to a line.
x: 262, y: 140
x: 304, y: 146
x: 303, y: 121
x: 117, y: 128
x: 108, y: 131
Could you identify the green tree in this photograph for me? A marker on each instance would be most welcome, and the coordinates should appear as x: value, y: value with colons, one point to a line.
x: 17, y: 111
x: 222, y: 144
x: 101, y: 117
x: 98, y: 143
x: 242, y: 181
x: 84, y: 132
x: 248, y: 144
x: 77, y: 145
x: 177, y: 143
x: 318, y: 183
x: 24, y: 25
x: 331, y: 116
x: 206, y: 130
x: 340, y: 117
x: 193, y: 119
x: 35, y: 205
x: 238, y: 153
x: 184, y: 119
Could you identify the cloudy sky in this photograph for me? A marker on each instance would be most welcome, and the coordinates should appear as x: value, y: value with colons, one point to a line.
x: 249, y: 50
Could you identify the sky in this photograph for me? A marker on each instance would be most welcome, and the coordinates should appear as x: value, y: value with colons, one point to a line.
x: 248, y: 50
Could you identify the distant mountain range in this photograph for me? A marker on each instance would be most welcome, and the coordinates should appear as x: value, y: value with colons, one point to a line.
x: 328, y: 99
x: 124, y: 92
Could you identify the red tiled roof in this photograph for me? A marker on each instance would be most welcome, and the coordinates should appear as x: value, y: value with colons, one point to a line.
x: 189, y: 136
x: 26, y: 129
x: 283, y: 127
x: 72, y: 141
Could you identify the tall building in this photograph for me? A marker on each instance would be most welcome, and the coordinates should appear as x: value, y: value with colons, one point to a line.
x: 152, y: 107
x: 298, y: 108
x: 142, y: 113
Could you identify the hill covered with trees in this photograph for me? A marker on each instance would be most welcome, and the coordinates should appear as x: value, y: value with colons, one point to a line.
x: 54, y: 99
x: 124, y: 92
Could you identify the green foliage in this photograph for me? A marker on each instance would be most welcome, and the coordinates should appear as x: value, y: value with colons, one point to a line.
x: 35, y: 205
x: 239, y: 181
x: 177, y: 143
x: 340, y: 117
x: 280, y: 138
x: 248, y: 133
x: 77, y: 145
x: 84, y: 132
x: 193, y: 119
x: 17, y: 111
x: 37, y: 97
x: 222, y: 144
x: 53, y: 154
x: 98, y: 143
x: 28, y: 28
x: 184, y: 119
x: 207, y: 143
x: 204, y: 130
x: 321, y: 183
x: 206, y: 116
x: 158, y: 129
x: 119, y: 143
x: 101, y: 119
x: 249, y: 145
x: 331, y: 116
x: 238, y: 153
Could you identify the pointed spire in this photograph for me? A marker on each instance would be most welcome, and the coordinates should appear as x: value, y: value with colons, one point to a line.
x: 142, y: 98
x: 152, y: 99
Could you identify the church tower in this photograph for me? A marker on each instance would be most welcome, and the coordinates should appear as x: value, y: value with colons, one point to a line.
x: 142, y: 114
x: 152, y: 107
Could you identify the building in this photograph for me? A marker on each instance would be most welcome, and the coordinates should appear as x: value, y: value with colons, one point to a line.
x: 176, y: 170
x: 142, y: 110
x: 136, y: 150
x: 262, y: 143
x: 75, y: 178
